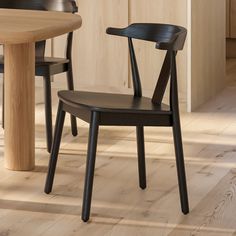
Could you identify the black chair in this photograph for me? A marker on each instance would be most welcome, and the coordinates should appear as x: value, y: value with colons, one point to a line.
x: 127, y: 110
x: 47, y: 66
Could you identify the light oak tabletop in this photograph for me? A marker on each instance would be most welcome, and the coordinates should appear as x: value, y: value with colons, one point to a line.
x: 25, y: 26
x: 19, y: 30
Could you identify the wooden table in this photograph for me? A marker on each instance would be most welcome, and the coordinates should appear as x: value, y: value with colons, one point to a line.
x: 19, y: 30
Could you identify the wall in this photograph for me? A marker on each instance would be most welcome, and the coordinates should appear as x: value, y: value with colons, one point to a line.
x: 101, y: 61
x: 150, y: 59
x: 208, y: 29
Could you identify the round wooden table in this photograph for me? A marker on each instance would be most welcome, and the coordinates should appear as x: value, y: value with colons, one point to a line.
x: 19, y: 30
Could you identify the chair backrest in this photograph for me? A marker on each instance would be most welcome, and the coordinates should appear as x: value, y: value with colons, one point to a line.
x: 167, y: 37
x: 42, y: 5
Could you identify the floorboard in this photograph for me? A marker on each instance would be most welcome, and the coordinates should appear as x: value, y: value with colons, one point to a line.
x: 119, y: 207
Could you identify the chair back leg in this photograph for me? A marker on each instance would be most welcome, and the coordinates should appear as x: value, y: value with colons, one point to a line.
x: 91, y: 157
x: 141, y: 157
x: 55, y: 148
x: 180, y: 163
x: 48, y: 111
x: 70, y: 84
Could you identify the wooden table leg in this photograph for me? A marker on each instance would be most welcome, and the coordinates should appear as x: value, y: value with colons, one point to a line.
x: 19, y: 60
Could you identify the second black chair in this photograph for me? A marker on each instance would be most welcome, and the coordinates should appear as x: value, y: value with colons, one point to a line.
x: 127, y: 110
x: 47, y: 66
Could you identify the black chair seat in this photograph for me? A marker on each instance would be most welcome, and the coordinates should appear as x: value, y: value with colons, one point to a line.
x: 45, y: 65
x: 48, y: 61
x: 118, y: 103
x: 51, y: 66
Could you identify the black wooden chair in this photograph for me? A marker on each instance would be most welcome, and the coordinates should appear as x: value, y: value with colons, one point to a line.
x: 127, y: 110
x: 47, y: 66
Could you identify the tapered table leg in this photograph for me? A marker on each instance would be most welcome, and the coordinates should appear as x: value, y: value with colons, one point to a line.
x: 19, y: 60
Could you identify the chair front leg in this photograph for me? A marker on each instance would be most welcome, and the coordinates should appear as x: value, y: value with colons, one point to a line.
x: 70, y: 84
x: 180, y: 164
x: 55, y: 148
x: 141, y: 156
x: 48, y: 111
x: 91, y: 157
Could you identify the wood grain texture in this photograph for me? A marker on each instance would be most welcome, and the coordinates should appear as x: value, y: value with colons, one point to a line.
x: 19, y: 105
x: 208, y: 50
x: 214, y: 212
x: 123, y: 209
x: 99, y: 60
x: 23, y: 26
x: 103, y: 63
x: 150, y: 60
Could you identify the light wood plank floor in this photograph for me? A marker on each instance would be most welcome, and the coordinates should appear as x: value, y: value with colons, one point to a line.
x: 119, y: 207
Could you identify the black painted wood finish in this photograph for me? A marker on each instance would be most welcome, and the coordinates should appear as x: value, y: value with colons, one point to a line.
x: 48, y: 66
x: 127, y: 110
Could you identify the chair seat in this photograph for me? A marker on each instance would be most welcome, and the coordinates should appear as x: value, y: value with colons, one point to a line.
x: 47, y: 61
x: 45, y: 65
x: 105, y: 102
